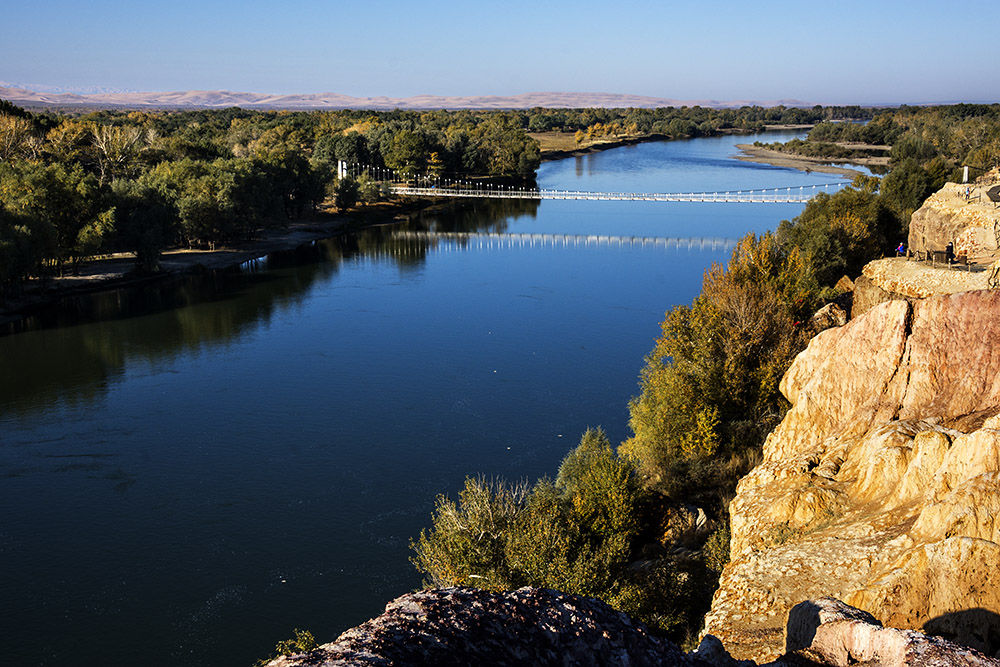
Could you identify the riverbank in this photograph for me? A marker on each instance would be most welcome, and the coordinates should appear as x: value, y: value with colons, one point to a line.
x: 116, y: 271
x: 775, y: 158
x: 558, y: 153
x: 560, y: 145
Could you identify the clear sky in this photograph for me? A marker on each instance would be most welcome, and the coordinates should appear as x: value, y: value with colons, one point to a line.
x: 843, y: 51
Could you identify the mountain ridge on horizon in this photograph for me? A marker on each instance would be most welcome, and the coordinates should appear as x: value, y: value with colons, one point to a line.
x: 214, y: 99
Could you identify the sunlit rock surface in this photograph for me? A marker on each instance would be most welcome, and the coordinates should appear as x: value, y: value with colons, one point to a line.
x: 971, y: 224
x: 530, y: 626
x: 828, y: 632
x: 464, y: 626
x: 881, y: 486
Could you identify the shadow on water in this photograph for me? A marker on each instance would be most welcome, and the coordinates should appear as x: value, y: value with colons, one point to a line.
x: 73, y: 350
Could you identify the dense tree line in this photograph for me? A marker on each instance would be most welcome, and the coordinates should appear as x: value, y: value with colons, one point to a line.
x: 823, y: 149
x: 937, y: 138
x: 708, y: 397
x: 680, y: 122
x: 77, y: 186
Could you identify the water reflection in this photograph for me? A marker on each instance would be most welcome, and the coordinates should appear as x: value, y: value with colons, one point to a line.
x: 159, y: 320
x: 489, y: 240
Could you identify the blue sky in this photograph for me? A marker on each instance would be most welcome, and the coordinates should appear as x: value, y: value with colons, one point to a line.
x: 826, y: 52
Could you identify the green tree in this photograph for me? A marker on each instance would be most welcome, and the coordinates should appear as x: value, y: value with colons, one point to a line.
x: 407, y: 153
x: 842, y: 232
x: 906, y: 187
x: 346, y: 193
x: 62, y: 199
x: 23, y: 245
x: 144, y: 222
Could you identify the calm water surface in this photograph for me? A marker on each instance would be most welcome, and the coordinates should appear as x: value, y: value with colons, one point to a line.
x: 212, y: 463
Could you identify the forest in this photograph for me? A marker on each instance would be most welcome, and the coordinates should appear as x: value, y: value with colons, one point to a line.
x: 77, y: 187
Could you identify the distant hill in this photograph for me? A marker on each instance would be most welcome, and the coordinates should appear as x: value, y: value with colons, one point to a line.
x: 214, y: 99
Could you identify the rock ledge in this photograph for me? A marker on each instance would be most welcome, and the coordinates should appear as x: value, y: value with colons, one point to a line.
x: 531, y: 626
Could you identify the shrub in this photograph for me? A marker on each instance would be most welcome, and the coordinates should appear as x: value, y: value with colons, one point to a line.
x: 466, y: 546
x: 578, y: 534
x: 346, y: 193
x: 301, y: 642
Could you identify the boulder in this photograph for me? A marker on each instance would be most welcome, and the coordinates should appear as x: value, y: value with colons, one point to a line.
x: 531, y: 626
x: 972, y: 225
x: 828, y: 632
x: 830, y: 315
x: 466, y: 626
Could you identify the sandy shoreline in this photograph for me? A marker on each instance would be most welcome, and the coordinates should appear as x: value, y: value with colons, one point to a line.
x: 548, y: 156
x: 559, y: 154
x: 751, y: 153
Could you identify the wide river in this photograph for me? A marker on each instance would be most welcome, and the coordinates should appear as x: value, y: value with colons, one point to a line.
x: 189, y: 472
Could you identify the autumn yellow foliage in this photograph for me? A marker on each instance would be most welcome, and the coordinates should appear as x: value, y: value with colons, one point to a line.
x: 710, y: 385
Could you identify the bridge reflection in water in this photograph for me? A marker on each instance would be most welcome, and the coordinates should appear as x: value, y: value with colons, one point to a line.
x: 494, y: 240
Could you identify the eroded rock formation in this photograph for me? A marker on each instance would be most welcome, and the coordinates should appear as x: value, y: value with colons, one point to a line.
x: 897, y: 278
x: 882, y: 484
x: 972, y: 224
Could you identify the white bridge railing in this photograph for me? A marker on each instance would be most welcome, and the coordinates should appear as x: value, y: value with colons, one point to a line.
x: 791, y: 195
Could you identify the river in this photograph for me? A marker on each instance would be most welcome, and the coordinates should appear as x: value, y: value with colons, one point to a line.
x: 190, y: 471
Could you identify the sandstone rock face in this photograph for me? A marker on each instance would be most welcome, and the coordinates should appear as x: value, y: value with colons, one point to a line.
x: 947, y: 216
x: 829, y: 632
x: 868, y: 294
x: 898, y: 278
x: 464, y: 626
x: 882, y: 484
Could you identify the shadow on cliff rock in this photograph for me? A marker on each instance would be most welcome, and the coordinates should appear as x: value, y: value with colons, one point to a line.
x: 978, y: 628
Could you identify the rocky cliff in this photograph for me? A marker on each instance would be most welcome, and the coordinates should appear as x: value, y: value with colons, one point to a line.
x: 466, y: 626
x: 971, y: 222
x: 882, y: 484
x: 898, y: 278
x: 531, y: 626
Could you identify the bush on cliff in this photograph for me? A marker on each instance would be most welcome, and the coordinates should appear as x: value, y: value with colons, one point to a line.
x: 580, y: 534
x: 302, y: 641
x: 840, y: 233
x: 710, y: 385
